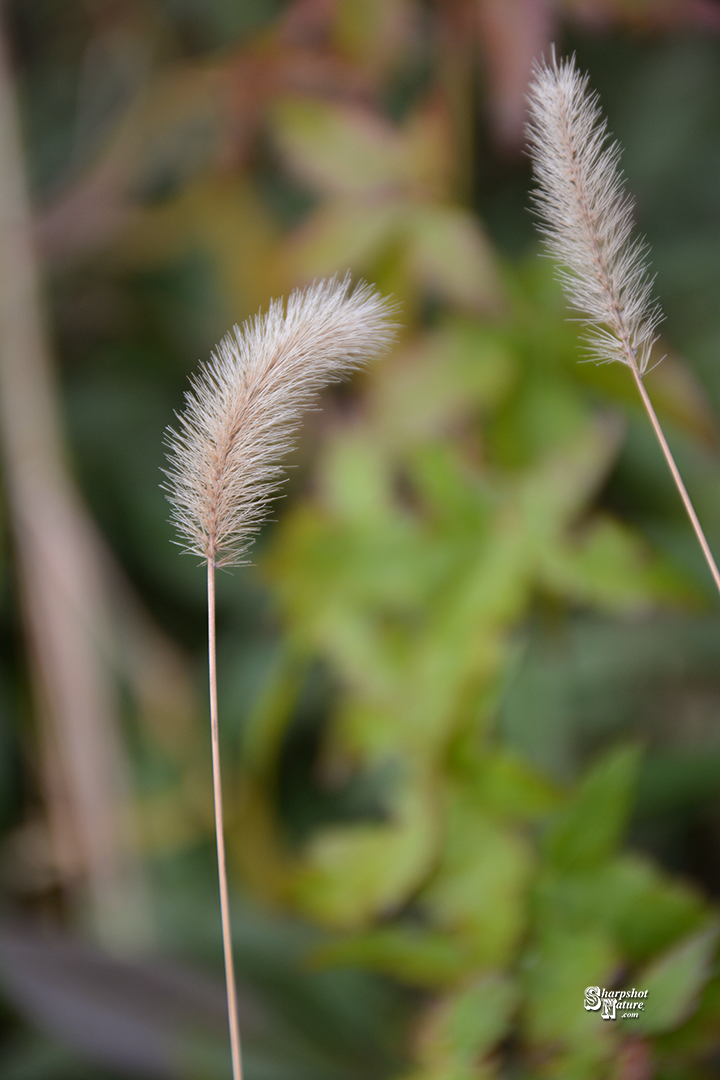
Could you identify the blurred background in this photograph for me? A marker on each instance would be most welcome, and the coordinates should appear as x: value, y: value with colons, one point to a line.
x: 469, y: 685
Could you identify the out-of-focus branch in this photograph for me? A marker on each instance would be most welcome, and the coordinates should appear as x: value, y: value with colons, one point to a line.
x: 61, y: 583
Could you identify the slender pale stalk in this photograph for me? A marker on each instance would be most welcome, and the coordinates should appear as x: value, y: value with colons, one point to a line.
x: 687, y: 503
x: 220, y: 833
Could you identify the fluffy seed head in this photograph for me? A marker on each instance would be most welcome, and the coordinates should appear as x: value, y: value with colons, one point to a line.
x: 587, y: 216
x: 244, y: 406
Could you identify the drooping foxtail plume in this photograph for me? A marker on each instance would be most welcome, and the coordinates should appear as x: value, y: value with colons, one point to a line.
x: 240, y: 418
x: 587, y: 216
x: 244, y: 407
x: 587, y: 223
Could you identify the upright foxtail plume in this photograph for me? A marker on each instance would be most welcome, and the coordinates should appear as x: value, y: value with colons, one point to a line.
x: 244, y: 407
x: 240, y: 418
x: 587, y: 216
x: 587, y: 223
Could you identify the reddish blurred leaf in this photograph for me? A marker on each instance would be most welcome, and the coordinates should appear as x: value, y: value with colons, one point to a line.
x: 139, y: 1016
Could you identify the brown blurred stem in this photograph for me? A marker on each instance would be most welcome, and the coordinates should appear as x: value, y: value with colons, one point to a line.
x: 220, y: 833
x: 62, y: 584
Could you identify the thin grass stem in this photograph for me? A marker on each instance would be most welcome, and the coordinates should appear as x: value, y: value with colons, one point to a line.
x: 220, y: 833
x: 689, y: 508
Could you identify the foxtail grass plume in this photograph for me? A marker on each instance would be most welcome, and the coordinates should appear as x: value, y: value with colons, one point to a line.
x: 586, y: 216
x: 240, y: 417
x: 244, y: 407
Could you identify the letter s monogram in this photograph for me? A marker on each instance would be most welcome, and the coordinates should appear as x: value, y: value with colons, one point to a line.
x: 592, y: 998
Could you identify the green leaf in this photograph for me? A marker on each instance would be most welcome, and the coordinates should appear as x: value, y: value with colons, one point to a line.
x: 699, y: 1034
x: 355, y: 873
x: 558, y: 967
x: 356, y: 479
x: 611, y: 567
x: 457, y: 498
x: 417, y: 957
x: 345, y: 233
x: 341, y: 148
x: 451, y: 256
x: 674, y: 982
x: 480, y: 887
x: 507, y: 786
x: 448, y: 375
x: 557, y: 488
x: 267, y: 720
x: 629, y: 898
x: 545, y: 415
x: 453, y: 1071
x: 591, y: 828
x: 466, y: 1025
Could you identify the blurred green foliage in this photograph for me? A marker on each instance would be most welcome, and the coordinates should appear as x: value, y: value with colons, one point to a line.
x: 469, y: 689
